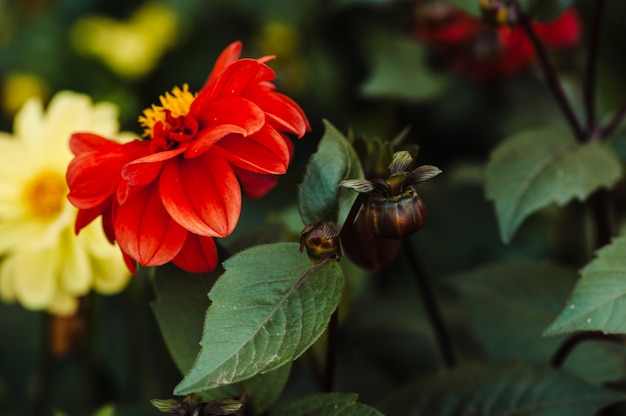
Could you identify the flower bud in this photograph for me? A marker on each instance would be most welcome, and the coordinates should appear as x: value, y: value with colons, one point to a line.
x: 395, y: 217
x: 321, y: 241
x: 365, y: 249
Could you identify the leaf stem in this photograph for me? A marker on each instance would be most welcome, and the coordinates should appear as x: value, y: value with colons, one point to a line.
x: 550, y: 75
x: 610, y: 127
x: 430, y: 305
x: 573, y: 341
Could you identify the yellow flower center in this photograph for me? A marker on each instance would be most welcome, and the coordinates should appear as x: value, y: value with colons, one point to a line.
x: 44, y: 194
x: 178, y: 102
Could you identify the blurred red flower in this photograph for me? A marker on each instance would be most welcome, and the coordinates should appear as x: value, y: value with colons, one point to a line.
x: 485, y: 51
x: 165, y: 198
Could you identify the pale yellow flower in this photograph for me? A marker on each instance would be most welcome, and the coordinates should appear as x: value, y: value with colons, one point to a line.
x: 44, y: 265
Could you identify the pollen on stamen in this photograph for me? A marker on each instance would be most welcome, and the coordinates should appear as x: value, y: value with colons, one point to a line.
x: 178, y: 102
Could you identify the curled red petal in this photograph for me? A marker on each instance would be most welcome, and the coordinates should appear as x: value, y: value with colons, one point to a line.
x: 198, y: 255
x: 145, y: 231
x: 143, y: 171
x: 202, y: 194
x: 281, y: 111
x: 209, y: 136
x: 265, y: 152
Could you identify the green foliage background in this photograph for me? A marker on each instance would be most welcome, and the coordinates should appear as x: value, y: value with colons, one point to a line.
x: 354, y: 64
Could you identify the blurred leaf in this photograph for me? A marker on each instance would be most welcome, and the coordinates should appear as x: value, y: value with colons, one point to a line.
x: 265, y: 389
x: 346, y: 3
x: 527, y: 295
x: 506, y: 388
x: 180, y: 306
x: 545, y: 10
x: 266, y: 311
x: 533, y: 168
x: 108, y: 410
x: 329, y: 404
x: 399, y: 70
x: 319, y: 196
x: 598, y: 301
x: 399, y: 320
x: 470, y: 6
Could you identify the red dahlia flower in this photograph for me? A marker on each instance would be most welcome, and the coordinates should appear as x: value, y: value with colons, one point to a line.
x: 485, y: 51
x: 165, y: 198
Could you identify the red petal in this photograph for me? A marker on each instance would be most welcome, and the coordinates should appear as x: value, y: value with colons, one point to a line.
x: 232, y: 110
x: 283, y: 112
x: 264, y: 152
x: 227, y: 57
x: 143, y: 171
x: 198, y: 255
x: 209, y: 136
x: 255, y: 185
x: 560, y: 33
x: 84, y: 142
x: 92, y: 177
x: 145, y: 231
x: 235, y: 79
x: 202, y: 194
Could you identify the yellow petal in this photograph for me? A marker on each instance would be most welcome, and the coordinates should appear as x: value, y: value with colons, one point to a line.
x: 34, y: 275
x: 75, y: 273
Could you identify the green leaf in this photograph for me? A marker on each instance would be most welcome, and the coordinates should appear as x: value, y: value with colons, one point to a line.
x: 598, y: 301
x: 545, y: 10
x: 319, y: 196
x: 399, y: 70
x: 534, y: 168
x: 180, y: 306
x: 470, y: 6
x: 527, y: 295
x: 329, y: 404
x: 505, y: 388
x: 266, y: 311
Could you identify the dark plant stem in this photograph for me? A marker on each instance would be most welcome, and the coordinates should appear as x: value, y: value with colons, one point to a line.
x: 610, y: 127
x: 550, y: 75
x: 354, y: 210
x: 572, y: 342
x: 601, y: 201
x: 589, y: 88
x: 331, y: 352
x: 430, y: 305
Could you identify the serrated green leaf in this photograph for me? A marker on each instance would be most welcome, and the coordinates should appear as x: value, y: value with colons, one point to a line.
x: 545, y: 10
x: 527, y: 295
x: 265, y: 312
x: 399, y: 70
x: 319, y: 196
x: 505, y: 388
x: 598, y: 302
x: 532, y: 169
x: 329, y: 404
